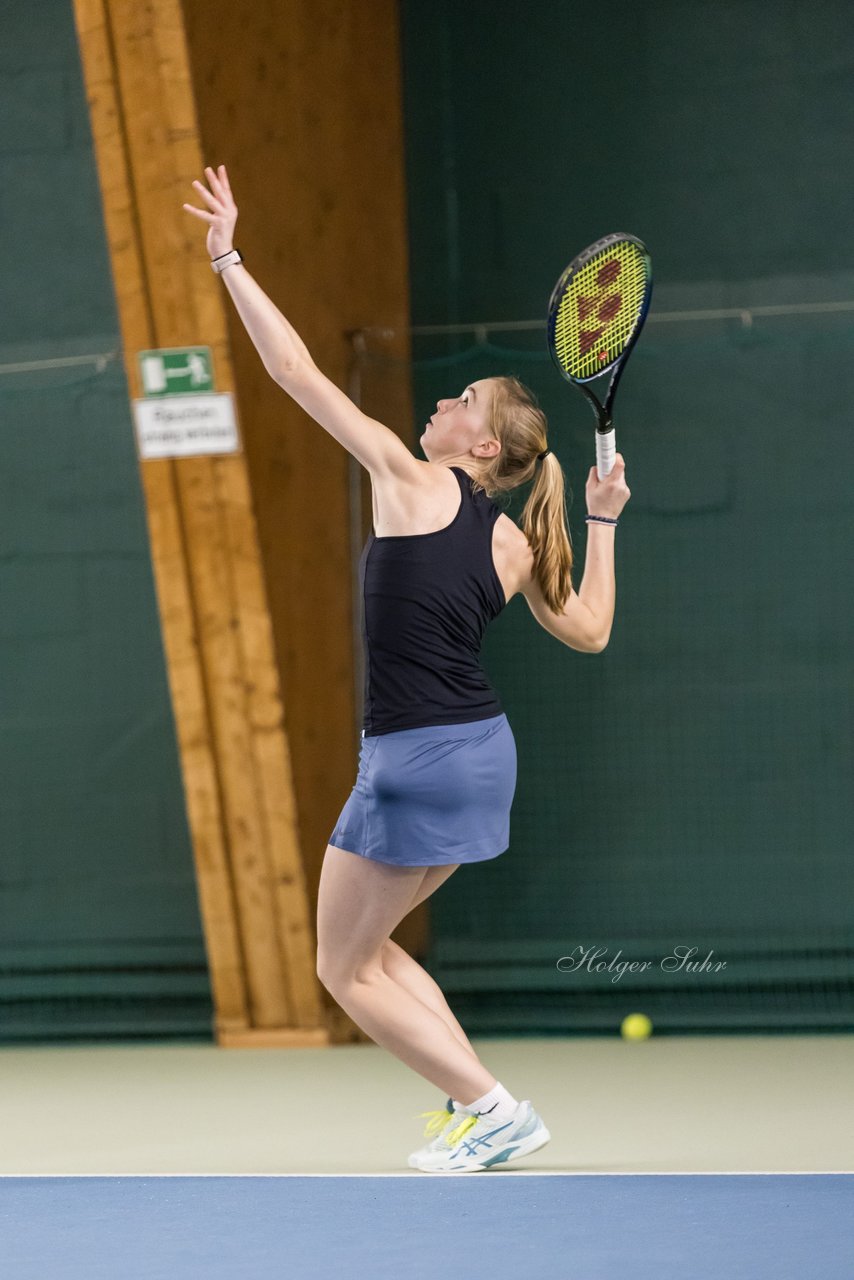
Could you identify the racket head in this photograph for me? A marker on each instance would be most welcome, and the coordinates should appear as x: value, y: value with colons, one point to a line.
x: 598, y: 307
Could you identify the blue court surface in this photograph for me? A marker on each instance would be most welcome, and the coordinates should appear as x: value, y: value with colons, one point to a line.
x: 644, y: 1226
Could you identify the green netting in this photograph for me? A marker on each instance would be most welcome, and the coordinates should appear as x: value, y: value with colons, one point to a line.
x: 101, y: 931
x: 690, y: 787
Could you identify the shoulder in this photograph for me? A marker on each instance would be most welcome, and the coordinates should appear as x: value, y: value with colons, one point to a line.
x: 513, y: 555
x: 421, y: 497
x: 513, y: 538
x: 412, y: 478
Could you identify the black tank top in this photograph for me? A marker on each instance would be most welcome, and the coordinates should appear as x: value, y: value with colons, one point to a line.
x: 427, y: 599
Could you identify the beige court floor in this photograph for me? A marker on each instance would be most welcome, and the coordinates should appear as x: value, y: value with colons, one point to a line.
x: 675, y: 1104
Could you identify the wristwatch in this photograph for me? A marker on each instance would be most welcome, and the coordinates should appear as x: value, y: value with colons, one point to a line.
x: 226, y: 260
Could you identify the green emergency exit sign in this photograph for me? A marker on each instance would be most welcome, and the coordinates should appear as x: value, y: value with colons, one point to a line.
x: 176, y: 371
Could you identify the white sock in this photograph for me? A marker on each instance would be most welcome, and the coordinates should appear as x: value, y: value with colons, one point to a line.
x: 498, y: 1103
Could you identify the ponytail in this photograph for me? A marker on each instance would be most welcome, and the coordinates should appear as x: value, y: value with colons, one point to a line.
x: 544, y: 525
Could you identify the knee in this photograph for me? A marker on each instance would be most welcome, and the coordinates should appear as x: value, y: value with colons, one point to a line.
x: 340, y: 973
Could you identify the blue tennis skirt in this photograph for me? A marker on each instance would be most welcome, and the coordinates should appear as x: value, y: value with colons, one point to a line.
x: 430, y: 796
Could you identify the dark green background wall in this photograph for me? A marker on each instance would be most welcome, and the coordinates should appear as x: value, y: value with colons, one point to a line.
x: 691, y: 786
x: 100, y: 932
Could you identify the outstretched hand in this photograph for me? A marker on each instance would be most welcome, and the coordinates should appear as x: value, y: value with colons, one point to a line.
x: 608, y: 497
x: 223, y: 213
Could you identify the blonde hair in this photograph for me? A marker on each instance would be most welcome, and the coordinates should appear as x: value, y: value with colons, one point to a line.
x: 519, y: 425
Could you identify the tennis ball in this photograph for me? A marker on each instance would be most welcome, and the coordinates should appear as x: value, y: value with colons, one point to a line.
x: 636, y: 1026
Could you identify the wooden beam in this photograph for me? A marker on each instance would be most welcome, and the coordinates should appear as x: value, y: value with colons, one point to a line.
x: 303, y: 101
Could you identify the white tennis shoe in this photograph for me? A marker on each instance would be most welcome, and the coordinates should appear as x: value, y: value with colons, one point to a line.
x: 473, y: 1143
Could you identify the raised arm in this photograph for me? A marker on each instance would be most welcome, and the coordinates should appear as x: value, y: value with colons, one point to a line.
x: 286, y: 357
x: 277, y: 341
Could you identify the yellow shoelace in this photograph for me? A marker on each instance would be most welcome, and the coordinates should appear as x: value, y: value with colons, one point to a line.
x: 437, y: 1123
x: 463, y: 1127
x: 439, y: 1119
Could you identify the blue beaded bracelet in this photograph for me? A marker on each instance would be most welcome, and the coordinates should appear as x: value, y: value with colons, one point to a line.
x: 601, y: 520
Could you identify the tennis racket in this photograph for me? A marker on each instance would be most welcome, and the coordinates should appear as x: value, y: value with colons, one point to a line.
x: 596, y: 312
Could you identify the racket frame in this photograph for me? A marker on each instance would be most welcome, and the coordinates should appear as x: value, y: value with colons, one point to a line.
x: 601, y: 410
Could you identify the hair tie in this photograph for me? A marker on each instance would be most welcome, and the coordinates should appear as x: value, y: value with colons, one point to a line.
x: 543, y: 454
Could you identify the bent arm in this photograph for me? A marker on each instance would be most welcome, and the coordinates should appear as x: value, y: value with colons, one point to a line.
x: 598, y: 589
x: 278, y: 343
x: 585, y: 621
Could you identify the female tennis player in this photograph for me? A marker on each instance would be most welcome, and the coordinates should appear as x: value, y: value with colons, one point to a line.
x: 437, y: 768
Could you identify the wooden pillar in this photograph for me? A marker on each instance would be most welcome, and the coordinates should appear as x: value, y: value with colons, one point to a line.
x: 303, y: 102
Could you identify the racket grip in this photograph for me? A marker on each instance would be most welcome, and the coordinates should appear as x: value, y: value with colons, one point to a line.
x: 606, y: 450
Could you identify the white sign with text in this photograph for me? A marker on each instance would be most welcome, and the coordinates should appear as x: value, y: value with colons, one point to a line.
x: 181, y: 426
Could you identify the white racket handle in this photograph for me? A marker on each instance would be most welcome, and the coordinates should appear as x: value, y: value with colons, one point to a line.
x: 606, y: 451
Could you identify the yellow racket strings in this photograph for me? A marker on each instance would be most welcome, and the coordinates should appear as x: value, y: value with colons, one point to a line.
x: 599, y: 309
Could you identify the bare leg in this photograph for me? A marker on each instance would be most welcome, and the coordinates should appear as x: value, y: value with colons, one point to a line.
x: 403, y: 969
x: 359, y: 903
